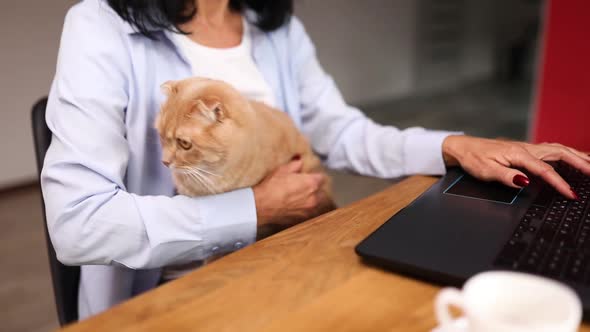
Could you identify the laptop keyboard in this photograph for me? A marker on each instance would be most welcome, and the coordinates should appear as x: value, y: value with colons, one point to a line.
x: 553, y: 237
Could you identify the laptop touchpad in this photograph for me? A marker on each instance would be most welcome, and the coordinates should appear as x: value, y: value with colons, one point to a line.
x: 470, y: 187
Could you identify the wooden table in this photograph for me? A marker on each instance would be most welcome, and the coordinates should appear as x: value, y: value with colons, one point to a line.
x: 307, y: 278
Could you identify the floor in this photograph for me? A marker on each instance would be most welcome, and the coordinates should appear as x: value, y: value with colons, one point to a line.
x: 26, y: 303
x: 26, y: 299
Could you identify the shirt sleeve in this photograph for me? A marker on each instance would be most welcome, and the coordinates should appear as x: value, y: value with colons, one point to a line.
x: 345, y: 138
x: 91, y: 217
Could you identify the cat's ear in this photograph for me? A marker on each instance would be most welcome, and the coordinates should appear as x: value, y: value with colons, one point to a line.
x: 168, y: 88
x: 211, y: 111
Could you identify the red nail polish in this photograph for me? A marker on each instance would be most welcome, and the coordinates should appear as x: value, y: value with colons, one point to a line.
x: 520, y: 180
x: 296, y: 157
x: 576, y: 197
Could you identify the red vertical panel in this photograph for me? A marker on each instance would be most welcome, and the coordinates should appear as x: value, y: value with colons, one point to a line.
x: 563, y: 95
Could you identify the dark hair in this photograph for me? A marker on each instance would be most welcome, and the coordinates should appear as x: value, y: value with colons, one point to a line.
x: 168, y: 14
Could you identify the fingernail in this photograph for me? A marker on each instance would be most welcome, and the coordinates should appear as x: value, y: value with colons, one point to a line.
x: 576, y: 197
x: 296, y: 157
x: 521, y: 180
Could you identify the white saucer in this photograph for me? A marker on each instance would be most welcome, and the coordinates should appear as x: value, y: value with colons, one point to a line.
x: 459, y: 325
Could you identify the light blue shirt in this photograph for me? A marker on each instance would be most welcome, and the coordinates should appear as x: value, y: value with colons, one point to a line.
x: 110, y: 202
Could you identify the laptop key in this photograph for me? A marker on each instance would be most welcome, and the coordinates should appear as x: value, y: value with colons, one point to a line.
x: 565, y: 242
x: 567, y: 226
x: 513, y: 251
x: 544, y: 198
x: 554, y: 266
x: 552, y: 269
x: 530, y: 264
x: 537, y: 209
x: 581, y: 241
x: 576, y: 268
x: 506, y: 263
x: 535, y: 222
x: 546, y: 234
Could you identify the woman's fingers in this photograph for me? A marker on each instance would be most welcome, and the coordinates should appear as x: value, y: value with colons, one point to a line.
x: 508, y: 176
x: 575, y: 161
x: 554, y: 152
x: 544, y: 171
x: 294, y: 166
x: 580, y: 154
x: 560, y: 147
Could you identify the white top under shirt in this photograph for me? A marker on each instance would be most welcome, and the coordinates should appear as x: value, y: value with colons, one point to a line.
x: 233, y: 65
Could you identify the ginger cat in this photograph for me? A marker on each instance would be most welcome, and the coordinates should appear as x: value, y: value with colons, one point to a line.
x: 215, y: 140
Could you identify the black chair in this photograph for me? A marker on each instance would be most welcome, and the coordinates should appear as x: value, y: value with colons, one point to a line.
x: 65, y: 278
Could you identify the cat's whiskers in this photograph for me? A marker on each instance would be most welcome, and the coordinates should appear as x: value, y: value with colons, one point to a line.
x: 182, y: 171
x: 200, y: 180
x: 202, y: 172
x: 208, y: 180
x: 196, y: 168
x: 200, y: 176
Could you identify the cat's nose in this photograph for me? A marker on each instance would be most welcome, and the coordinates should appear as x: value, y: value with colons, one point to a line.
x: 166, y: 163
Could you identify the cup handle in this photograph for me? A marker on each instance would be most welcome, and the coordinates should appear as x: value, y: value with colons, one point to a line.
x: 445, y: 298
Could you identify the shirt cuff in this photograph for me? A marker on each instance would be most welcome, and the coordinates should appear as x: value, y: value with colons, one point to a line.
x: 423, y: 153
x: 233, y: 220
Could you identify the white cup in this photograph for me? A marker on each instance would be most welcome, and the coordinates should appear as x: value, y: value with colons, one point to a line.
x: 511, y: 302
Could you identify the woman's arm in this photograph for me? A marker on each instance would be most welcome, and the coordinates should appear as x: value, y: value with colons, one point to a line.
x: 91, y: 217
x: 349, y: 140
x: 345, y: 137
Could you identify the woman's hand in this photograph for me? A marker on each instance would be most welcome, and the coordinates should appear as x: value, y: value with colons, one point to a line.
x: 489, y: 160
x: 287, y: 196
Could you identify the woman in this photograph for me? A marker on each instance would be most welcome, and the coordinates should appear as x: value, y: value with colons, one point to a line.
x: 110, y: 202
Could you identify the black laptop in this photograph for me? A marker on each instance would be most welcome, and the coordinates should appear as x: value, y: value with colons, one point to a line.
x: 462, y: 226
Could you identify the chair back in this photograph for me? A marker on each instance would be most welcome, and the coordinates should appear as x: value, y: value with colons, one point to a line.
x: 65, y: 279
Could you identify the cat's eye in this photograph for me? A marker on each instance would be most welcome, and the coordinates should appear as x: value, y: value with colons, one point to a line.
x: 185, y: 145
x: 217, y: 111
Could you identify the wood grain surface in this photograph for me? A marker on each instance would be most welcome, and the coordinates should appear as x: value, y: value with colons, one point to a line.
x: 307, y: 278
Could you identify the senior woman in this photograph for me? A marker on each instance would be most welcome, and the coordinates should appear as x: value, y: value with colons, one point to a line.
x: 111, y: 204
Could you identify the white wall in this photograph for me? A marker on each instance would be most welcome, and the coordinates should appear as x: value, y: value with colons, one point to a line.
x: 367, y: 46
x: 478, y: 51
x: 370, y: 46
x: 29, y: 36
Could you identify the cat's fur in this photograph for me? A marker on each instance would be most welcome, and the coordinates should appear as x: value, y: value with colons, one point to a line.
x: 234, y: 142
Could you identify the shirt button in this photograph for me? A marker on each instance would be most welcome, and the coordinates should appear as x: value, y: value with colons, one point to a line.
x: 238, y: 245
x: 215, y: 249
